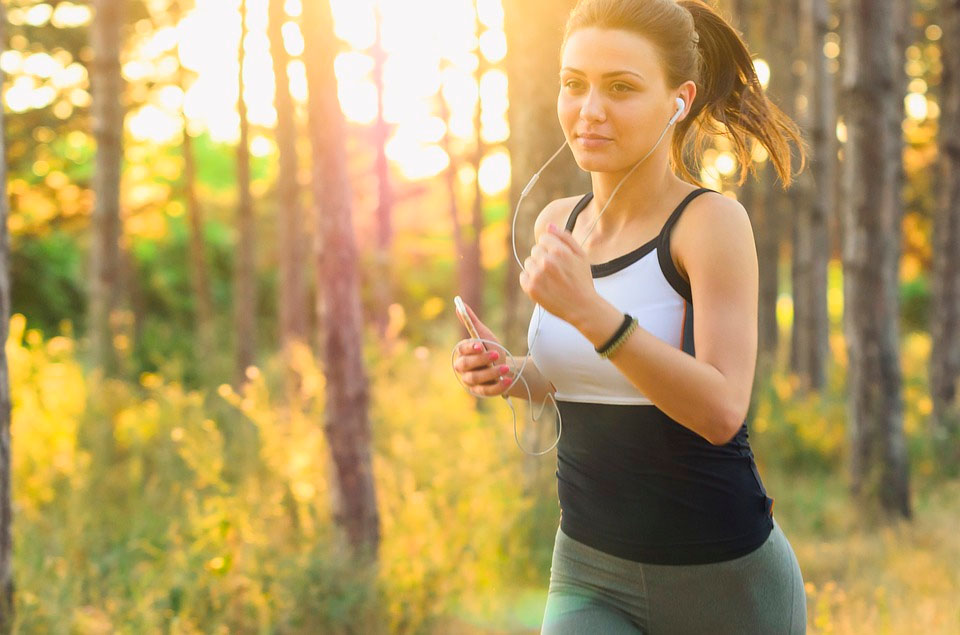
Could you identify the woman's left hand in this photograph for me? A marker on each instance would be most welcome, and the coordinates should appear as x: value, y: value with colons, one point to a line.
x: 557, y: 276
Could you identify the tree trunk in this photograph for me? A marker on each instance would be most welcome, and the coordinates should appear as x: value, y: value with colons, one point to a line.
x: 759, y: 202
x: 473, y: 262
x: 871, y: 250
x: 6, y: 510
x: 199, y: 271
x: 381, y: 134
x: 811, y: 239
x: 945, y: 313
x: 450, y: 178
x: 244, y: 276
x: 106, y: 87
x: 200, y: 274
x: 347, y: 419
x: 293, y: 298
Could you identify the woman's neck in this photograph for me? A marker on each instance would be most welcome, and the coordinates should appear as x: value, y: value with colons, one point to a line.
x: 639, y: 201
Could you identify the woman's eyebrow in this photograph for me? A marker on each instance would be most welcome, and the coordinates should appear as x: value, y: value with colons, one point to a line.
x: 610, y: 74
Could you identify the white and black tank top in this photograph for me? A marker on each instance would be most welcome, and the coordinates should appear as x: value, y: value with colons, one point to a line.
x: 631, y: 481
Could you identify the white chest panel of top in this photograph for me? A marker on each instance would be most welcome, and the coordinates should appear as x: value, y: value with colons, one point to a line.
x: 569, y: 360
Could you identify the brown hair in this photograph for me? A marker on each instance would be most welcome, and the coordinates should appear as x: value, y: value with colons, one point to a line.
x: 696, y: 43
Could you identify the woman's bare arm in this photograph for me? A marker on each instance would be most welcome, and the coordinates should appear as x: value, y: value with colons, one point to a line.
x: 540, y: 386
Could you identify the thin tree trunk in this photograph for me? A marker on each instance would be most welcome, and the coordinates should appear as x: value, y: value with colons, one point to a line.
x: 759, y: 203
x: 106, y: 87
x: 811, y: 230
x: 347, y: 419
x: 200, y: 274
x: 199, y: 271
x: 945, y: 314
x: 381, y: 133
x: 6, y: 510
x: 293, y: 299
x: 244, y: 276
x: 473, y: 290
x: 450, y: 178
x: 871, y: 249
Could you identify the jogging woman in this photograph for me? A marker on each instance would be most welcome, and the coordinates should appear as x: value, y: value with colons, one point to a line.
x: 648, y: 335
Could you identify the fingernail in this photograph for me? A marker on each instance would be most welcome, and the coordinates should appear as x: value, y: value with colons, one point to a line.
x: 504, y: 369
x: 506, y: 381
x: 494, y: 355
x: 552, y: 226
x: 478, y: 347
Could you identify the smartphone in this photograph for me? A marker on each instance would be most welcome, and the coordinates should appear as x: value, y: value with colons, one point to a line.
x: 465, y: 318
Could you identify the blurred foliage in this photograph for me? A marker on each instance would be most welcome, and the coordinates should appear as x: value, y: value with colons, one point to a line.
x: 146, y: 506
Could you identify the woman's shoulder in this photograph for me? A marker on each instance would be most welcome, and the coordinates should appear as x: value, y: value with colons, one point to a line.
x: 710, y: 216
x: 557, y: 212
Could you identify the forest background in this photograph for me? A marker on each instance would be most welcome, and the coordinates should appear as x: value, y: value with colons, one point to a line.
x: 233, y: 232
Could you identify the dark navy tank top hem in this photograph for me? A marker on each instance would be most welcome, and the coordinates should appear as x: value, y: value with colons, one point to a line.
x: 669, y: 554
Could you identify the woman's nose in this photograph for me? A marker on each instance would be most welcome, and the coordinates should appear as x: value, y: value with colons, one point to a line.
x: 592, y: 108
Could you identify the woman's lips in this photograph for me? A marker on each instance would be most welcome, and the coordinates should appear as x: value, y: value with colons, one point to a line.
x: 593, y: 141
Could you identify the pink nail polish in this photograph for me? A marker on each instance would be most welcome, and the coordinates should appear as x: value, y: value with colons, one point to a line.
x: 494, y: 355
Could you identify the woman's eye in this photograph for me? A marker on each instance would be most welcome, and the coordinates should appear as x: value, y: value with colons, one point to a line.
x: 622, y: 88
x: 571, y: 83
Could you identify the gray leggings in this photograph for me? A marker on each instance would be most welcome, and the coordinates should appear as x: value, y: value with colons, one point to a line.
x: 594, y: 592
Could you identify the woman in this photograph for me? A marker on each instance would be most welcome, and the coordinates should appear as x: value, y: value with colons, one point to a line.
x: 665, y: 524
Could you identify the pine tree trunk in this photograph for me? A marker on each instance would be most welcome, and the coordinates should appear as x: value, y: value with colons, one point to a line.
x: 871, y: 250
x: 450, y: 178
x: 474, y: 278
x: 107, y: 114
x: 945, y: 313
x: 383, y: 291
x: 758, y: 200
x: 245, y: 274
x: 200, y: 273
x: 811, y: 252
x: 6, y: 510
x: 347, y: 418
x: 290, y: 218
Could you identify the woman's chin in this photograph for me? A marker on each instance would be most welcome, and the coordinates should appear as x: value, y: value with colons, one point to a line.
x: 590, y: 162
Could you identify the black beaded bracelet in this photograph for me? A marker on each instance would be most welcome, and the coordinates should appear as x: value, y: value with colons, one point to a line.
x: 602, y: 350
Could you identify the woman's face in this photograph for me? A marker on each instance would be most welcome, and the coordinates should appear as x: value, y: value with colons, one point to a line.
x: 613, y: 102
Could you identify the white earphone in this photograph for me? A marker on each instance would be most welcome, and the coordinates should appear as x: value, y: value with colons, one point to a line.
x: 681, y: 105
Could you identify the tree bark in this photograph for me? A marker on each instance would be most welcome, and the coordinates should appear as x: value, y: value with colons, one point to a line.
x: 245, y: 274
x: 811, y: 240
x: 759, y: 201
x: 945, y: 313
x: 871, y: 250
x: 293, y: 323
x: 200, y: 273
x: 382, y: 290
x: 347, y: 419
x: 107, y: 113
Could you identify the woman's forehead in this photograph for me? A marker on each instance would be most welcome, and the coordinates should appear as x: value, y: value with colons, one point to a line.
x: 597, y: 51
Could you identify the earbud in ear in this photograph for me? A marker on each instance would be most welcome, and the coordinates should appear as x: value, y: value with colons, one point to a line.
x: 681, y: 105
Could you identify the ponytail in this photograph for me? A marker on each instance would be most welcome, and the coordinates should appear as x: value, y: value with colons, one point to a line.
x: 730, y: 101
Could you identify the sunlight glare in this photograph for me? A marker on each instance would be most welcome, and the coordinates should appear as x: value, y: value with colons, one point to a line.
x: 494, y: 173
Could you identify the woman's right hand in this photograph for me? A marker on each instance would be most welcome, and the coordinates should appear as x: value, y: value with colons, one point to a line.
x: 485, y: 373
